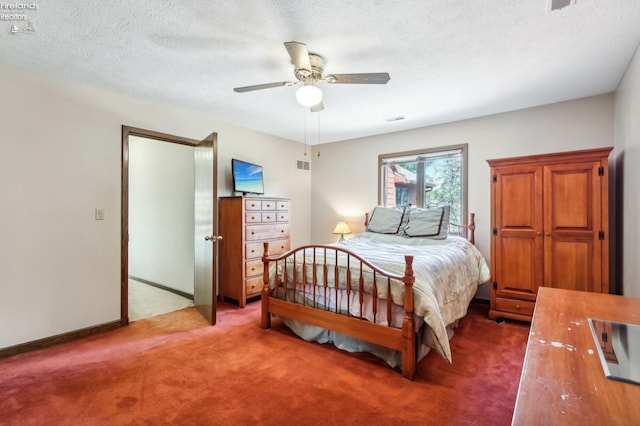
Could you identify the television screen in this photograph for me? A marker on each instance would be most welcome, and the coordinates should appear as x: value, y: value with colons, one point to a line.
x: 247, y: 177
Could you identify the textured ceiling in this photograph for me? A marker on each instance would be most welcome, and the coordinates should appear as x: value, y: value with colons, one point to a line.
x: 448, y: 59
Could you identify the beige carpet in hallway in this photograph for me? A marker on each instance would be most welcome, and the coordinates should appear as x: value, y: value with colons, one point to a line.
x: 146, y: 301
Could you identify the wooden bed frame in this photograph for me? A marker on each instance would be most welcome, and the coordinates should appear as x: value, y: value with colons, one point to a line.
x: 401, y: 339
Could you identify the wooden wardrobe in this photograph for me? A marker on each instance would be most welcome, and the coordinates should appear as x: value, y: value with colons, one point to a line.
x: 550, y: 227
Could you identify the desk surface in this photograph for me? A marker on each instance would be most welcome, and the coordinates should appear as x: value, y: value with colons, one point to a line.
x: 562, y: 380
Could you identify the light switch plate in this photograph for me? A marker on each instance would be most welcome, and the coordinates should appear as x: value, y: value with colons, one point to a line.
x: 99, y: 214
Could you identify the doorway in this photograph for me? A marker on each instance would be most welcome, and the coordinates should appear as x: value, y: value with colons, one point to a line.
x: 176, y: 201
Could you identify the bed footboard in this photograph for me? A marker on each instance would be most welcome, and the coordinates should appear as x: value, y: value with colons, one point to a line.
x: 297, y: 285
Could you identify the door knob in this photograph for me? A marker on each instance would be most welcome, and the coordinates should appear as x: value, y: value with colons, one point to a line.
x: 213, y: 237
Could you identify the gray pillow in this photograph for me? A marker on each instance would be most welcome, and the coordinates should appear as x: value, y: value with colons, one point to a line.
x: 385, y: 220
x: 428, y: 223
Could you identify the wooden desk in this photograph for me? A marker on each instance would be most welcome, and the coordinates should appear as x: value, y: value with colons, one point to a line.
x: 562, y: 380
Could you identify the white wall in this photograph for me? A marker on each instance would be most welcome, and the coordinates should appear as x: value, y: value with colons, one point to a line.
x: 162, y: 212
x: 344, y: 183
x: 627, y: 143
x: 60, y: 157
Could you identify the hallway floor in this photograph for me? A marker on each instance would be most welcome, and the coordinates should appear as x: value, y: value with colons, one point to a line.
x: 147, y: 301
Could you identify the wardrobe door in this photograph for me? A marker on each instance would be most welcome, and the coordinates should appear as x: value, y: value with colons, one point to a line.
x: 517, y: 258
x: 572, y: 226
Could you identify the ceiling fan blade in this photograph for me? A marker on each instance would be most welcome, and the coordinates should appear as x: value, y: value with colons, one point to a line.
x: 366, y: 78
x: 262, y: 86
x: 318, y: 107
x: 299, y: 54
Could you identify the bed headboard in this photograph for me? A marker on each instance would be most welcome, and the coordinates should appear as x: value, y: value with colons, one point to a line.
x: 470, y: 228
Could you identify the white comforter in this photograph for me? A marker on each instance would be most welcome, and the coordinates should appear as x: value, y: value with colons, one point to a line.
x: 448, y: 273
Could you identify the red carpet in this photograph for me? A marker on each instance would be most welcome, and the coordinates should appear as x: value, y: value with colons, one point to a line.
x: 175, y: 369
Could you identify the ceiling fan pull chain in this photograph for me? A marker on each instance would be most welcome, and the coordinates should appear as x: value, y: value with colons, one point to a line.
x: 305, y: 133
x: 318, y: 134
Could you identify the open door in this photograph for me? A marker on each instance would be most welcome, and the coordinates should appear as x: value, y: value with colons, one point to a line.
x: 206, y: 227
x: 205, y: 211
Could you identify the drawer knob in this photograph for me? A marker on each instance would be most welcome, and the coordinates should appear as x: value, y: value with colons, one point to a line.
x: 268, y: 217
x: 518, y: 307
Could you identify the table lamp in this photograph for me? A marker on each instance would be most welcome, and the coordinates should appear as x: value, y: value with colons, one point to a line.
x: 341, y: 228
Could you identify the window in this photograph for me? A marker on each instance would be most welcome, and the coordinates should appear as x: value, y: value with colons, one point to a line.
x: 426, y: 178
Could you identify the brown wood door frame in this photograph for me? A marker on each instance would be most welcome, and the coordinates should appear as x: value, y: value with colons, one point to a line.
x: 124, y: 209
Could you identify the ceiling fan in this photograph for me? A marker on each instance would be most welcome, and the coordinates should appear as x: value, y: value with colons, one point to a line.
x: 308, y: 70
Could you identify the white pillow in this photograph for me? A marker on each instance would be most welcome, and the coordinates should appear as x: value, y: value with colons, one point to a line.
x: 429, y: 223
x: 385, y: 220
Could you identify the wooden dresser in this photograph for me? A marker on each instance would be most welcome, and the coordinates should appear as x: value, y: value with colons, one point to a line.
x: 244, y: 224
x: 563, y: 382
x: 550, y: 227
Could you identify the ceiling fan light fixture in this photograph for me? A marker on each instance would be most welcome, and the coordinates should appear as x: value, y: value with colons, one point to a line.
x: 309, y: 95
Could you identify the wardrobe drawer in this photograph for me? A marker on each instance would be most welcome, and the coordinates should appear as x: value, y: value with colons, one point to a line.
x: 515, y: 306
x: 266, y: 232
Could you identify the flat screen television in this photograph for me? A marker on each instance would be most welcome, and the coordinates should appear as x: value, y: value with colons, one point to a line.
x: 247, y: 177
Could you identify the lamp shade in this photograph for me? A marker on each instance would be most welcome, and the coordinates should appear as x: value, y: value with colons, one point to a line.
x: 342, y: 228
x: 309, y: 95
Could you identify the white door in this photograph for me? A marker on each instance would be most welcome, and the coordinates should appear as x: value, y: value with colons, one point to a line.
x: 206, y: 229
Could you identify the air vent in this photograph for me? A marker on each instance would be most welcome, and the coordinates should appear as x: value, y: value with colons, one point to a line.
x: 303, y: 165
x: 391, y: 119
x: 559, y: 4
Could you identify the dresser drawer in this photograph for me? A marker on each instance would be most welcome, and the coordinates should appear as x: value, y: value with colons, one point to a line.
x: 268, y: 204
x: 253, y: 217
x: 266, y: 232
x: 254, y: 267
x: 268, y: 217
x: 282, y: 216
x: 515, y: 306
x: 262, y: 217
x: 253, y: 250
x: 256, y: 250
x: 279, y: 246
x: 254, y: 286
x: 252, y: 204
x: 283, y: 205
